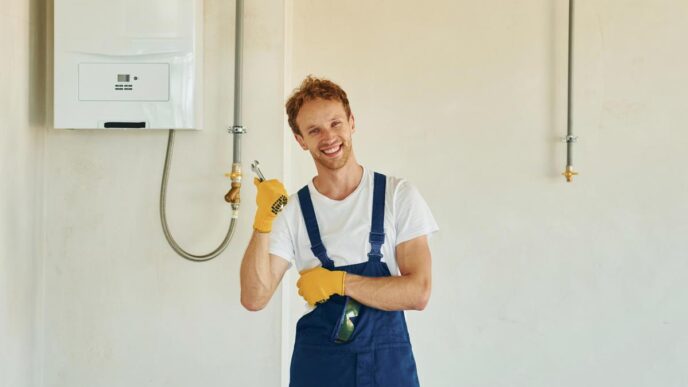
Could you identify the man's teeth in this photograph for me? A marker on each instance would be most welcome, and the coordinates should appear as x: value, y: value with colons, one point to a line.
x: 331, y: 150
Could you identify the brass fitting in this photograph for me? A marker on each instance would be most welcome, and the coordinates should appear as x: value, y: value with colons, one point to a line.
x: 569, y: 173
x: 233, y: 196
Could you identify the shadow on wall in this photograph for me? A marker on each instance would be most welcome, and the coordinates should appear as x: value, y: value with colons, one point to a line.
x: 38, y: 57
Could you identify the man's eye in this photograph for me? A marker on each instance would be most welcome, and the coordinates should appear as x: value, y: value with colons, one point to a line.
x: 313, y: 131
x: 336, y: 123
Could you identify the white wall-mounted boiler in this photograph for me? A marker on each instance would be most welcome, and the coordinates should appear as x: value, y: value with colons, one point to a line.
x: 128, y: 64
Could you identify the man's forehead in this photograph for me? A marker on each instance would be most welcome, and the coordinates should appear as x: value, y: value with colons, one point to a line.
x: 320, y: 109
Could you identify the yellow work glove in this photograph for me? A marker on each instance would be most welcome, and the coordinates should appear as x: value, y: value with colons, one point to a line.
x: 318, y: 284
x: 271, y: 198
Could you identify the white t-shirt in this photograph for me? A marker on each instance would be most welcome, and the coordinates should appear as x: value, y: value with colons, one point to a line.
x: 345, y: 224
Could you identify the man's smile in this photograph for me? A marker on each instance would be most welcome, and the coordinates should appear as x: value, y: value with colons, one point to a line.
x: 332, y: 151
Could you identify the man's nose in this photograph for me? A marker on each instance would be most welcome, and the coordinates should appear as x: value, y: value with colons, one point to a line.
x: 328, y: 136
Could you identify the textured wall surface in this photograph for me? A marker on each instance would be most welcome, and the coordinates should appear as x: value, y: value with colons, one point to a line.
x: 22, y: 141
x: 537, y: 282
x: 121, y: 307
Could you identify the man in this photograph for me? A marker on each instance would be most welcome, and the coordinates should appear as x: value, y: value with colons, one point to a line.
x: 359, y: 241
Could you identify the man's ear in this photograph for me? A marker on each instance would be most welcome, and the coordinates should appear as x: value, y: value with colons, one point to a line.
x: 352, y: 122
x: 299, y: 139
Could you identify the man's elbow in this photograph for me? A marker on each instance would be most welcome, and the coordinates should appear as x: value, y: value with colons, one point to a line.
x: 423, y: 298
x: 252, y: 305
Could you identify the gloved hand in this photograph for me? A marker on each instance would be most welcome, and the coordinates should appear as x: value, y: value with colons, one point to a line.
x: 318, y: 284
x: 271, y: 198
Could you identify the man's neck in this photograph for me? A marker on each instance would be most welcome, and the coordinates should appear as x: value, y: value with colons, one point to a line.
x: 340, y: 183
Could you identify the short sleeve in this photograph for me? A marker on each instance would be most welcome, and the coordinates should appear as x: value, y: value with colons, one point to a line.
x: 281, y: 240
x: 412, y: 216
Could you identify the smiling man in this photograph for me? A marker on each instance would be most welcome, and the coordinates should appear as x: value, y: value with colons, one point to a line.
x: 359, y: 241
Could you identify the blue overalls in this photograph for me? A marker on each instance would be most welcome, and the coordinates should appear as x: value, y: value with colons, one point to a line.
x: 378, y: 352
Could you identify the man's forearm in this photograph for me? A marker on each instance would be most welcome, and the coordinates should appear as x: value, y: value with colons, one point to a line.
x: 256, y: 276
x: 406, y: 292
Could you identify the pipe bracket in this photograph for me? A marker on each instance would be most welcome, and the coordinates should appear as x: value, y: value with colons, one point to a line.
x: 236, y: 129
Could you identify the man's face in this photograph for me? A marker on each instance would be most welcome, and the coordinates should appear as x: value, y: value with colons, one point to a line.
x: 325, y: 132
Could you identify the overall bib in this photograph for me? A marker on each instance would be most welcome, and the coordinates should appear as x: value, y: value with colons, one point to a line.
x: 378, y: 351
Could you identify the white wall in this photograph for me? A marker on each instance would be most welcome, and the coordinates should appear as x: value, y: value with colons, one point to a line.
x: 121, y: 308
x: 537, y: 282
x: 22, y: 138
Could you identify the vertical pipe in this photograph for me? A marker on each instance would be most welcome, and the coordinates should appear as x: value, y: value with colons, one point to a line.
x: 238, y: 76
x: 569, y: 133
x: 237, y: 148
x: 569, y: 173
x: 237, y: 129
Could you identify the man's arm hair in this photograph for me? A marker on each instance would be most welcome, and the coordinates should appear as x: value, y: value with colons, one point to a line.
x: 410, y: 291
x: 261, y: 272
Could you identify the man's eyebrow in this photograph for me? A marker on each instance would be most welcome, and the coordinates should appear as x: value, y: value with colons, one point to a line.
x: 335, y: 116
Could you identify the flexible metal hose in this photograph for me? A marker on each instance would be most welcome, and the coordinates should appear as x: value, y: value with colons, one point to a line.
x: 237, y: 130
x: 163, y: 217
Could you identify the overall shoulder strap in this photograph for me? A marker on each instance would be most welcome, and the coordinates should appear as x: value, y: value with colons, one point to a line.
x: 377, y: 228
x: 308, y: 213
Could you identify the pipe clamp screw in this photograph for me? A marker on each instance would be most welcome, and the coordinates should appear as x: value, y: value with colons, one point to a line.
x: 236, y: 130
